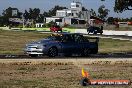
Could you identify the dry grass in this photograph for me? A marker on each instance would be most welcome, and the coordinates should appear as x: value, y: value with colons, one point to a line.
x: 59, y: 74
x: 12, y: 42
x: 110, y: 45
x: 43, y: 75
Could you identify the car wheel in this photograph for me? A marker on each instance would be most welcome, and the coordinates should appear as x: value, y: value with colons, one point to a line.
x: 95, y: 32
x: 52, y: 52
x: 94, y: 51
x: 33, y: 55
x: 85, y: 82
x: 86, y: 52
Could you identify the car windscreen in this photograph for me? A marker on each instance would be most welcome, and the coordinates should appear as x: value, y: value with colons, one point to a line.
x: 67, y: 38
x: 64, y: 38
x: 80, y: 38
x: 52, y: 38
x: 56, y: 38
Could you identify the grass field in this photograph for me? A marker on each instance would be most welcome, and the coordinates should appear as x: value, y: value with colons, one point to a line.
x: 48, y: 29
x: 64, y: 74
x: 71, y: 30
x: 13, y: 42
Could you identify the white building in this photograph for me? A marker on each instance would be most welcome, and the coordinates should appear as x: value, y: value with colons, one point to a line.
x: 73, y: 15
x: 39, y: 25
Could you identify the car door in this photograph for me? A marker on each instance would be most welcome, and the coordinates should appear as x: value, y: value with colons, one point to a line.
x: 81, y: 44
x: 68, y: 44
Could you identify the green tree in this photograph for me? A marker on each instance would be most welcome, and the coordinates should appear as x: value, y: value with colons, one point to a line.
x: 131, y: 19
x: 122, y: 5
x: 46, y: 14
x: 40, y: 18
x: 26, y: 15
x: 8, y: 13
x: 52, y: 12
x: 110, y: 20
x: 93, y: 13
x: 84, y: 9
x: 103, y: 13
x: 34, y: 13
x: 2, y: 21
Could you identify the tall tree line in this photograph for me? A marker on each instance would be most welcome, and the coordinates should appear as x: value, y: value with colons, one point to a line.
x: 122, y: 5
x: 33, y: 14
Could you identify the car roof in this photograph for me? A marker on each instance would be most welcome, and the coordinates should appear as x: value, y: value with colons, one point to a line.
x: 66, y: 33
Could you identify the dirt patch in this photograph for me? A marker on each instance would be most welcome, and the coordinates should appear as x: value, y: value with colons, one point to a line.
x: 60, y: 73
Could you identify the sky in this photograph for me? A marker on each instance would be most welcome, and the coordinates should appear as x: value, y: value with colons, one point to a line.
x: 46, y: 5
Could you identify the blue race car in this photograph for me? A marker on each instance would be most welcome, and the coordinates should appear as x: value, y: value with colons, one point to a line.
x: 63, y: 43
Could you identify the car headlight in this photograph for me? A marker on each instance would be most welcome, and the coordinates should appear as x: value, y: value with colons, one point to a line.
x: 40, y: 47
x: 26, y: 45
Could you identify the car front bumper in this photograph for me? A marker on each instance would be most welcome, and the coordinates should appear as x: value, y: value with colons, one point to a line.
x: 34, y: 51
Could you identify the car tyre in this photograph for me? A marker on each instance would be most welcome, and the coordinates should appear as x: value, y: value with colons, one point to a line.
x: 86, y: 52
x: 53, y: 52
x: 33, y: 55
x: 95, y: 32
x: 94, y: 51
x: 85, y: 82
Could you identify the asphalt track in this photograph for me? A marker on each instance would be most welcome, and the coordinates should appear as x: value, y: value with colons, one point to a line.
x: 101, y: 56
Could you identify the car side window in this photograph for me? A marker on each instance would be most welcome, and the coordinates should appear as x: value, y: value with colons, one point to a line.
x: 79, y: 38
x: 54, y: 38
x: 67, y: 38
